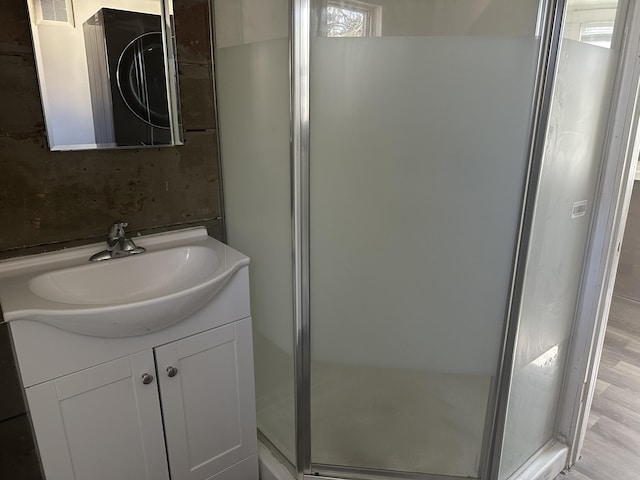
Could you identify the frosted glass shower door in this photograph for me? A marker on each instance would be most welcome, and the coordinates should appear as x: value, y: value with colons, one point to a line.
x: 420, y: 116
x: 575, y: 138
x: 252, y: 77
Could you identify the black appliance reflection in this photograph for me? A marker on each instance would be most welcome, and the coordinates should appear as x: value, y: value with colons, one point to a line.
x: 126, y: 62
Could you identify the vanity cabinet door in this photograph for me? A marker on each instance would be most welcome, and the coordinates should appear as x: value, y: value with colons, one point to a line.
x: 208, y: 404
x: 102, y: 423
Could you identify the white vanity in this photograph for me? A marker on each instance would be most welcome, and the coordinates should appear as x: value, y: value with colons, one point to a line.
x: 138, y: 367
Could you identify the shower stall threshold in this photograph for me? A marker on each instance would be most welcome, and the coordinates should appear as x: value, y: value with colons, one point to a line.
x: 270, y: 466
x: 547, y: 464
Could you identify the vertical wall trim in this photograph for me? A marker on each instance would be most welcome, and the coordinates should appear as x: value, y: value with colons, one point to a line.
x: 550, y: 28
x: 300, y: 148
x: 171, y: 72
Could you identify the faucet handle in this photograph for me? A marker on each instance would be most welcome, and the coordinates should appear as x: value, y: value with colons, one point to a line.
x: 116, y: 233
x: 119, y: 224
x: 117, y: 229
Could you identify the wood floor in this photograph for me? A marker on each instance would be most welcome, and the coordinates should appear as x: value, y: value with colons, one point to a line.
x: 612, y: 444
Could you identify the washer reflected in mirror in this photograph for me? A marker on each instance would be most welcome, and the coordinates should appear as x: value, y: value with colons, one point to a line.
x: 107, y: 73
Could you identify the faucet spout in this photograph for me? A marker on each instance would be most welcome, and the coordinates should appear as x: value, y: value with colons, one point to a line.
x: 118, y: 245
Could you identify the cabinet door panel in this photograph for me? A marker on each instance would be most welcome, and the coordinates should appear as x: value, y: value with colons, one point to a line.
x: 101, y: 423
x: 208, y: 406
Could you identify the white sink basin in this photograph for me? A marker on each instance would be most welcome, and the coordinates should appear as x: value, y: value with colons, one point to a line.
x: 130, y: 279
x: 143, y: 293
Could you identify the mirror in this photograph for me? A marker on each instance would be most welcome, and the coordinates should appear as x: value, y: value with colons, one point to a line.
x: 107, y: 72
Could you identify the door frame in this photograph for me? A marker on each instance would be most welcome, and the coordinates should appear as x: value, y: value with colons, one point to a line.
x: 607, y: 228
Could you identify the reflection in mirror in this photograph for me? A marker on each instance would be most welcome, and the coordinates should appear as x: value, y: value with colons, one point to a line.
x: 592, y: 22
x: 107, y: 72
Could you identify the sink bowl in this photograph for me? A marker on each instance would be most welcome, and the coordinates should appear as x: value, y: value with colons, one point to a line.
x: 130, y: 279
x: 179, y: 274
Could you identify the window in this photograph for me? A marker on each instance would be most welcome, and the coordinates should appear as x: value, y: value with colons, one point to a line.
x: 353, y: 19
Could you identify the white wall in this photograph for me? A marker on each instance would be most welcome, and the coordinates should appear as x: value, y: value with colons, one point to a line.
x: 241, y: 22
x: 63, y: 74
x: 247, y: 21
x: 457, y: 17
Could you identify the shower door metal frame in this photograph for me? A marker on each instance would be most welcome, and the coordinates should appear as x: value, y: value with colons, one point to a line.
x: 549, y: 30
x: 300, y: 36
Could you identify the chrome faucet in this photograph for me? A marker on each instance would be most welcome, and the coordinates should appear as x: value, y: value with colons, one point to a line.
x: 118, y: 245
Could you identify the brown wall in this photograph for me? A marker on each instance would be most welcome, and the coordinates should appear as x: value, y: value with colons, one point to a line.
x: 49, y: 200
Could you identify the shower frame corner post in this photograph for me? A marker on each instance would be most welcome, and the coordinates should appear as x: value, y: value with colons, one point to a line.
x: 550, y: 31
x: 300, y: 18
x: 221, y: 198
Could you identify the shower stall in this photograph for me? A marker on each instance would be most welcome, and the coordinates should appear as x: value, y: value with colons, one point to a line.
x: 414, y: 181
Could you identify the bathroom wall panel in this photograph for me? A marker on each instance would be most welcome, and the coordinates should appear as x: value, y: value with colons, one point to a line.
x: 193, y: 31
x: 53, y: 198
x: 196, y: 86
x: 43, y: 199
x: 21, y: 112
